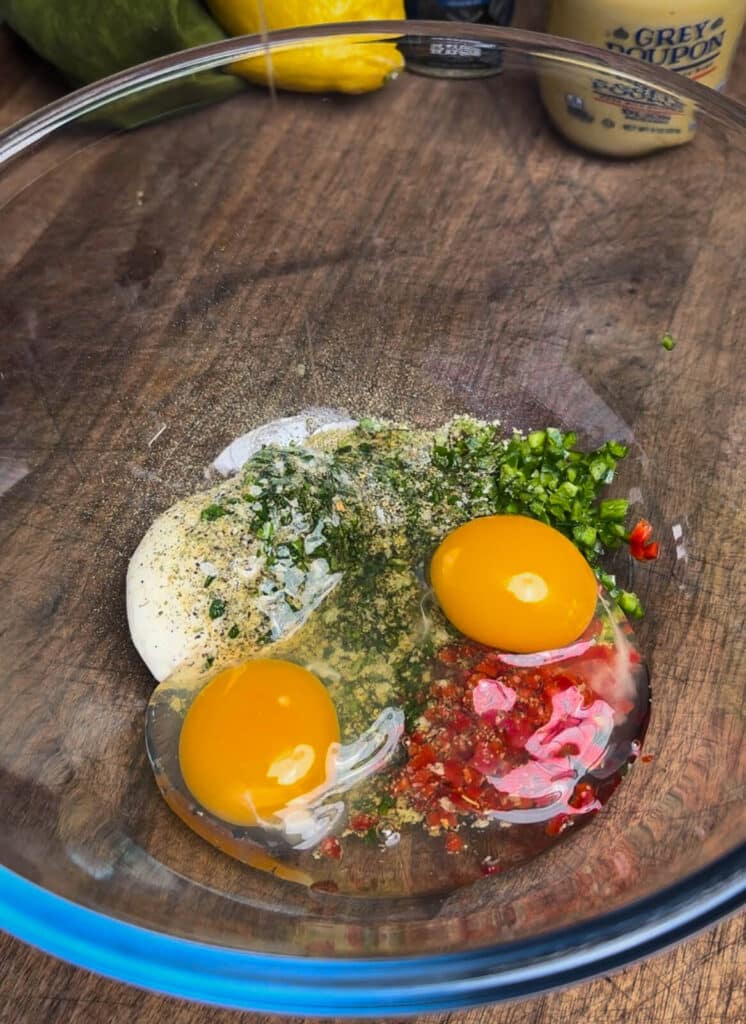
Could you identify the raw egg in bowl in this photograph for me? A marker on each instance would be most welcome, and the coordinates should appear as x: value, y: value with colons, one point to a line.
x: 463, y: 319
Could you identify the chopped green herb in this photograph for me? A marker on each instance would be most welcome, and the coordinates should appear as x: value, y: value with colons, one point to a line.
x: 585, y: 536
x: 208, y: 581
x: 668, y: 341
x: 233, y: 632
x: 217, y: 608
x: 630, y: 604
x: 208, y: 662
x: 374, y: 509
x: 614, y: 509
x: 213, y: 512
x: 369, y: 425
x: 386, y: 803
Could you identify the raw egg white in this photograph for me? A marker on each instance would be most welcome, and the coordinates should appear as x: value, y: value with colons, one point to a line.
x: 257, y: 746
x: 168, y: 572
x: 258, y: 743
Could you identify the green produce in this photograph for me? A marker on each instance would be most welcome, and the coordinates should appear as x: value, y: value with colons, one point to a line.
x: 87, y: 40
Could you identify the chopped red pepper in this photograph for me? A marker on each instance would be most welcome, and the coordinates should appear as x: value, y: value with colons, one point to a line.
x: 584, y: 794
x: 485, y: 722
x: 331, y: 847
x: 449, y: 655
x: 438, y: 818
x: 557, y: 824
x: 363, y: 822
x: 453, y: 773
x: 454, y: 843
x: 640, y: 545
x: 422, y: 758
x: 400, y: 785
x: 453, y: 755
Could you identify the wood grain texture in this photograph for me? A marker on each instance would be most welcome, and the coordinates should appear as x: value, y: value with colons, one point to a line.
x: 704, y: 980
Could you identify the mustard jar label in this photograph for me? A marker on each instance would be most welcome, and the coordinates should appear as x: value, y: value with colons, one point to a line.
x: 611, y: 114
x: 694, y: 49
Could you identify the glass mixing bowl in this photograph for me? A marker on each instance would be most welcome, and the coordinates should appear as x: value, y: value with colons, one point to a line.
x: 430, y: 249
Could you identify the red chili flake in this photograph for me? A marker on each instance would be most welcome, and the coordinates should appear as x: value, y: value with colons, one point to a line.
x: 453, y: 773
x: 518, y: 731
x: 583, y: 795
x: 432, y: 819
x: 363, y: 822
x: 463, y: 804
x: 463, y: 745
x: 424, y: 776
x: 459, y: 721
x: 438, y: 818
x: 449, y: 655
x: 490, y: 866
x: 331, y: 847
x: 557, y: 824
x: 454, y: 843
x: 490, y: 667
x: 647, y: 758
x: 640, y: 545
x: 484, y: 759
x: 455, y: 751
x: 423, y: 757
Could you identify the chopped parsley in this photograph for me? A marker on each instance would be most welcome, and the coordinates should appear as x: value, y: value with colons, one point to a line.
x: 233, y: 632
x: 217, y: 608
x: 668, y: 341
x: 213, y: 512
x: 374, y: 509
x: 386, y: 803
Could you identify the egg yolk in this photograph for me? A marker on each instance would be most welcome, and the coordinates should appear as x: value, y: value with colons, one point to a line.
x: 514, y: 583
x: 255, y: 737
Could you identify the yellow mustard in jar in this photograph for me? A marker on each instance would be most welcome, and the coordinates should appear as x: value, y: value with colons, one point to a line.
x: 611, y: 114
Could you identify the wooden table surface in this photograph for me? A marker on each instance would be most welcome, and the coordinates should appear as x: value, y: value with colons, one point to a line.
x: 703, y: 980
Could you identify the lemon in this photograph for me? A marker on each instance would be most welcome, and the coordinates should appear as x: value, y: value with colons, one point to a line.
x: 343, y: 64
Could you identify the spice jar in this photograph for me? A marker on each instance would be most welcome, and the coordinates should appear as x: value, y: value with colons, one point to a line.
x: 609, y: 113
x: 449, y: 57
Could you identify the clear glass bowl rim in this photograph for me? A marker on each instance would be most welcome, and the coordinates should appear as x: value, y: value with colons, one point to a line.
x: 30, y: 130
x: 365, y: 987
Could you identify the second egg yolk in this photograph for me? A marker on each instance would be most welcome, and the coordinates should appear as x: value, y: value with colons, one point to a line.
x: 514, y: 583
x: 255, y: 737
